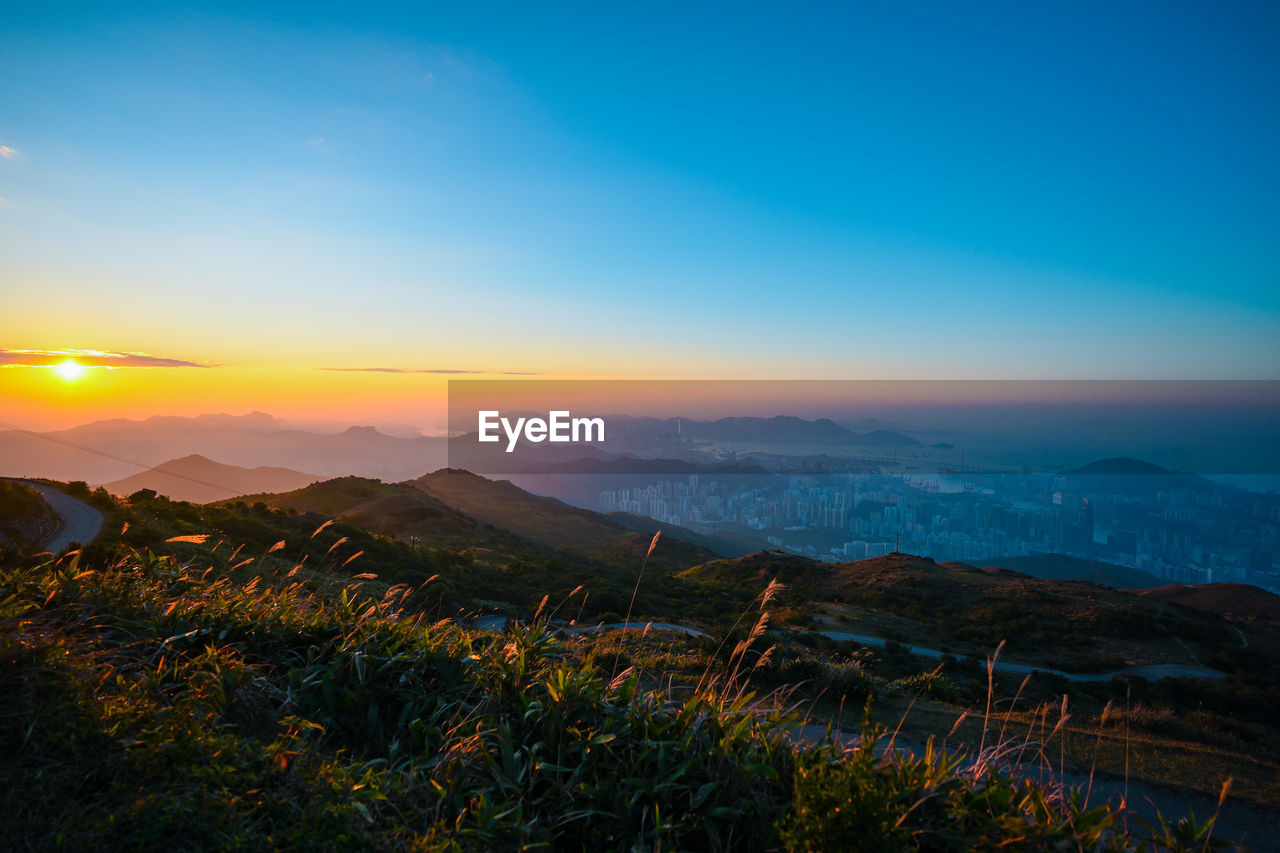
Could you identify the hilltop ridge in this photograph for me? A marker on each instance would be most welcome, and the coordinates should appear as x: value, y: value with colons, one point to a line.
x: 199, y: 479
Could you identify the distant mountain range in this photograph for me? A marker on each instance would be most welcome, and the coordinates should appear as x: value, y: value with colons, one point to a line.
x: 676, y: 446
x: 1119, y: 466
x: 782, y: 429
x: 111, y: 451
x: 199, y: 479
x: 108, y: 451
x: 636, y: 465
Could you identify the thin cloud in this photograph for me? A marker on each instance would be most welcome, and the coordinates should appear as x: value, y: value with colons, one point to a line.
x: 9, y: 153
x: 87, y: 358
x: 438, y: 370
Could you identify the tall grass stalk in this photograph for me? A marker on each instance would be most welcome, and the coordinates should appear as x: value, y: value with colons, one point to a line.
x: 626, y: 623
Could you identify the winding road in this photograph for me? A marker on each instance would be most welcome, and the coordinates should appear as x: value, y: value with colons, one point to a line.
x: 77, y: 521
x: 637, y: 626
x: 1151, y: 671
x: 499, y: 623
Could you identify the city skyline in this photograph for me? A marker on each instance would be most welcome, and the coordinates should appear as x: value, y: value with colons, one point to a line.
x: 1182, y: 531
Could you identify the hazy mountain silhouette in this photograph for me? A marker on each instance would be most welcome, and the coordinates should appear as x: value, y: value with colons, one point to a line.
x: 199, y: 479
x: 1118, y: 466
x: 636, y: 465
x: 782, y: 429
x: 1133, y: 476
x: 873, y: 423
x: 885, y: 438
x: 106, y: 451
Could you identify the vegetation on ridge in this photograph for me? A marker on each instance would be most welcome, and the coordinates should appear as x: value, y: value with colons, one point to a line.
x: 157, y: 703
x: 316, y: 686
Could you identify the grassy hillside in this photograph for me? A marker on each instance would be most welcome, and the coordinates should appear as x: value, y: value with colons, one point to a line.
x: 1248, y: 605
x: 391, y: 510
x: 1062, y: 567
x: 400, y: 534
x: 25, y: 518
x: 556, y: 523
x: 805, y: 580
x: 728, y: 546
x: 154, y: 703
x: 289, y: 659
x: 1072, y: 625
x: 1176, y: 731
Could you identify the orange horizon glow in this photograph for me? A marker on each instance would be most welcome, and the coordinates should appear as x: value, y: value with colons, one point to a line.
x: 66, y: 393
x: 75, y: 397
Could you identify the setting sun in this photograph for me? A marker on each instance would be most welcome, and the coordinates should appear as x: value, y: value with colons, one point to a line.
x: 69, y: 370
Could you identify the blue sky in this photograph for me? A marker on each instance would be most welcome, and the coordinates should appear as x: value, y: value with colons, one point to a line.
x: 875, y: 189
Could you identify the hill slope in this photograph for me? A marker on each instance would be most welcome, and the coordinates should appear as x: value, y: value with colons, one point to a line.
x: 392, y: 510
x: 553, y: 522
x: 1235, y: 601
x: 198, y: 479
x: 1070, y: 625
x: 25, y: 518
x: 1062, y: 567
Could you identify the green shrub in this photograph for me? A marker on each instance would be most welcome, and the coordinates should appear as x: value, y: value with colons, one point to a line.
x: 897, y: 802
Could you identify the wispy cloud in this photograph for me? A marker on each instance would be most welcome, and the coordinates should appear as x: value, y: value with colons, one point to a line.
x: 87, y: 358
x: 439, y: 370
x: 318, y: 144
x: 9, y: 153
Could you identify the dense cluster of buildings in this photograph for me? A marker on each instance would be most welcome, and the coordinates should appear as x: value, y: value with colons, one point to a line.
x: 1186, y: 534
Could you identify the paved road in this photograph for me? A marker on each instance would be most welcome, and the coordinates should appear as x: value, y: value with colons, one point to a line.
x: 77, y: 521
x: 1152, y: 672
x: 498, y: 623
x: 638, y: 626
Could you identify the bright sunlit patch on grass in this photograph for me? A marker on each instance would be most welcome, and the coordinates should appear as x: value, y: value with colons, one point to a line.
x: 69, y: 370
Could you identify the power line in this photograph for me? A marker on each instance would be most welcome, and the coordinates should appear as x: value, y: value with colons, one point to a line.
x: 113, y: 458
